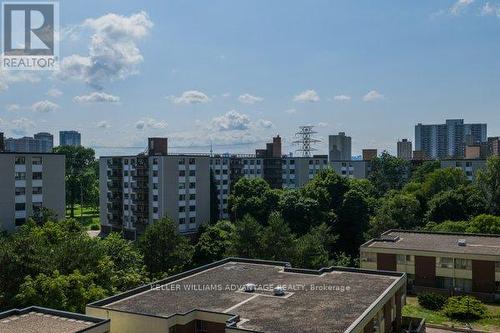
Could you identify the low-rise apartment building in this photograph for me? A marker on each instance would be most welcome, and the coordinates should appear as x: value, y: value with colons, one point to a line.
x: 141, y: 189
x: 242, y: 295
x: 298, y: 171
x: 358, y: 169
x: 452, y: 263
x: 43, y: 320
x: 468, y: 166
x: 29, y: 182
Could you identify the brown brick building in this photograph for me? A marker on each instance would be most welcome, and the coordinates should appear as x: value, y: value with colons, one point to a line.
x: 451, y: 263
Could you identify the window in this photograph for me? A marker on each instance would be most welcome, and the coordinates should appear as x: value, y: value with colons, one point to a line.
x: 155, y: 161
x: 182, y: 161
x: 37, y: 190
x: 192, y: 220
x: 444, y: 282
x: 192, y: 197
x: 445, y: 262
x: 463, y: 264
x: 20, y: 175
x: 192, y: 161
x: 155, y: 186
x: 182, y: 173
x: 401, y: 259
x: 192, y: 208
x: 20, y: 206
x: 155, y: 198
x: 368, y: 257
x: 463, y: 284
x: 182, y: 220
x: 155, y: 173
x: 201, y: 326
x: 36, y: 160
x: 192, y: 173
x: 182, y: 209
x: 155, y: 209
x: 125, y: 161
x: 20, y: 221
x: 192, y: 185
x: 37, y: 175
x: 36, y: 206
x: 182, y: 197
x: 20, y: 160
x: 20, y: 190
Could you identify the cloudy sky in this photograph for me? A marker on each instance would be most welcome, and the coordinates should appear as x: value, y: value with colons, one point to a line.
x: 235, y: 73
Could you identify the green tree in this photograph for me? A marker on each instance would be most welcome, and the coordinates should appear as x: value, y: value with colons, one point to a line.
x: 389, y: 173
x: 278, y: 242
x: 443, y: 180
x: 353, y: 222
x: 488, y: 181
x: 247, y: 238
x: 301, y: 212
x: 456, y: 205
x: 397, y: 211
x: 252, y: 197
x: 165, y: 250
x: 65, y: 292
x: 312, y: 248
x: 420, y: 173
x: 214, y: 243
x: 82, y: 181
x: 328, y: 189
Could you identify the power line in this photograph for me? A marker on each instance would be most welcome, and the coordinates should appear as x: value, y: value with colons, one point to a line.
x: 306, y: 140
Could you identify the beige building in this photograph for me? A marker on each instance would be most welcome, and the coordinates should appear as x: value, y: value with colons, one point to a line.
x: 141, y: 189
x: 298, y: 171
x: 404, y: 149
x: 43, y: 320
x: 469, y: 167
x: 451, y: 263
x: 242, y: 295
x: 357, y: 169
x: 29, y: 182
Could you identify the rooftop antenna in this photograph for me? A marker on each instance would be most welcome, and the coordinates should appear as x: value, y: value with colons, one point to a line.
x: 306, y: 140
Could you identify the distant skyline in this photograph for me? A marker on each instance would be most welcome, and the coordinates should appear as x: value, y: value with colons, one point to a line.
x: 235, y: 73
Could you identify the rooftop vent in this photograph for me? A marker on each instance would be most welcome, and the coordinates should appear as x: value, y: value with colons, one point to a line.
x: 279, y: 291
x: 249, y: 287
x: 389, y: 238
x: 462, y: 242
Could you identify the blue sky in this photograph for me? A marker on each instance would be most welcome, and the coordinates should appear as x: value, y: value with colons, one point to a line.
x: 235, y: 73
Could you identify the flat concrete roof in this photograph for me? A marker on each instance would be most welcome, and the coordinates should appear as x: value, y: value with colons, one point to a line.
x: 329, y: 300
x: 41, y: 320
x: 477, y: 244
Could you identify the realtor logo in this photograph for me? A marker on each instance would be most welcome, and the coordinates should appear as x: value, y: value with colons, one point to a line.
x: 30, y: 35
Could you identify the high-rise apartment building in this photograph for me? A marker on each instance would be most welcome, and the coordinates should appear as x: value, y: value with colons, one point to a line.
x: 405, y: 149
x: 448, y: 140
x: 29, y: 182
x: 339, y: 147
x: 139, y: 190
x: 494, y: 146
x: 39, y: 143
x: 298, y: 171
x: 70, y: 138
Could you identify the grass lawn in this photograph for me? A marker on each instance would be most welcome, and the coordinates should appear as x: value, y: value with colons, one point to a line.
x: 89, y: 216
x: 492, y: 323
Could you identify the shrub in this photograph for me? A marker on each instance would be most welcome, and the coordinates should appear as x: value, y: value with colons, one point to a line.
x: 465, y: 308
x: 95, y: 227
x: 431, y: 301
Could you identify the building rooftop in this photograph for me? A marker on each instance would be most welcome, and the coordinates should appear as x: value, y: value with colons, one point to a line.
x: 41, y: 320
x: 332, y: 298
x: 437, y: 242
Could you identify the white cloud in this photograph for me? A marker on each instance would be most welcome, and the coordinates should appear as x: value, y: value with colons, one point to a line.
x: 103, y: 124
x: 54, y: 92
x: 307, y: 96
x: 322, y: 124
x: 342, y: 98
x: 231, y: 121
x: 113, y: 51
x: 459, y: 6
x: 190, y: 97
x: 291, y: 111
x: 372, y: 95
x: 249, y: 99
x: 225, y: 95
x: 490, y: 10
x: 96, y: 97
x: 150, y: 123
x: 9, y: 77
x: 44, y: 106
x: 21, y: 126
x: 265, y: 123
x: 13, y: 107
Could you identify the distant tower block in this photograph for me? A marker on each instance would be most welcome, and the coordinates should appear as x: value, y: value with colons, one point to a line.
x: 305, y: 140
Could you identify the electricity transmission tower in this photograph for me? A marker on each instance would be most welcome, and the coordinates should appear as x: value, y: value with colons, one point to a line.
x: 306, y: 140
